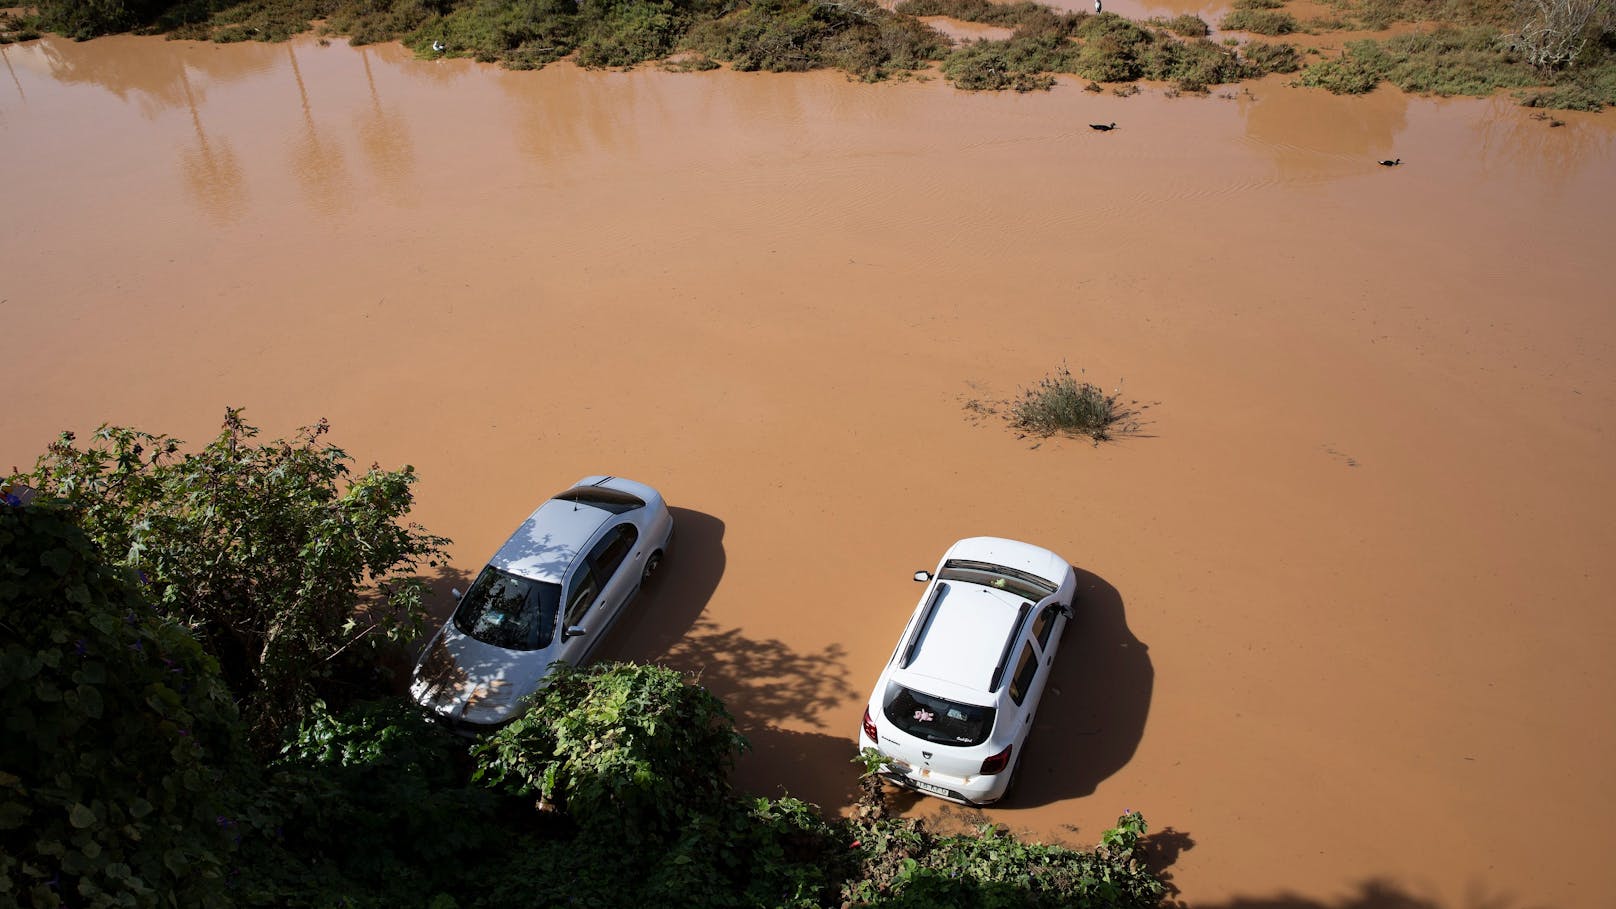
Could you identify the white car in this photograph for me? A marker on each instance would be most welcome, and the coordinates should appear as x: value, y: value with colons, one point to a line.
x: 952, y: 709
x: 550, y: 594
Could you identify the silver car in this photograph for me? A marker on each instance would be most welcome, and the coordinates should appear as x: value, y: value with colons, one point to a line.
x: 549, y: 595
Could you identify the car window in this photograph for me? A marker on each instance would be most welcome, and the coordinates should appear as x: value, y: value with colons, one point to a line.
x: 939, y: 719
x: 1025, y: 670
x: 610, y: 552
x: 509, y: 611
x: 582, y: 597
x: 1045, y: 623
x: 1024, y: 585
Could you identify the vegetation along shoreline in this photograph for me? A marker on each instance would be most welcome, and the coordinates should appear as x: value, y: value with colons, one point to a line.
x: 1558, y: 54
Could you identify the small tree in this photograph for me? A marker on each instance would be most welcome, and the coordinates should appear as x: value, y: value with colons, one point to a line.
x: 271, y: 554
x: 1553, y: 32
x: 627, y: 750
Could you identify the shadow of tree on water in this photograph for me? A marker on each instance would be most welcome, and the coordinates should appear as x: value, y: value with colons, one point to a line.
x: 1373, y: 893
x: 767, y: 685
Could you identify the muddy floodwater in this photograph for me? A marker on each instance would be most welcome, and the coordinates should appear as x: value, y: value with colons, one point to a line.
x: 1346, y: 627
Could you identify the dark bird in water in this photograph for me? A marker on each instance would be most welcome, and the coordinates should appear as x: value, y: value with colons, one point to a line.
x: 1392, y: 163
x: 1553, y: 123
x: 1103, y: 127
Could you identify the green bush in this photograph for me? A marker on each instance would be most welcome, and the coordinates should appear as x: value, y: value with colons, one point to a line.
x: 904, y: 865
x: 363, y: 807
x: 266, y: 552
x: 1188, y: 25
x: 1020, y: 64
x: 1192, y: 66
x: 631, y: 751
x: 1061, y: 404
x: 1263, y: 57
x: 1259, y: 21
x: 1344, y: 75
x: 119, y: 736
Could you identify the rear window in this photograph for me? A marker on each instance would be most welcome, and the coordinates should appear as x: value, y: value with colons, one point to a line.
x: 1022, y: 584
x: 613, y: 500
x: 504, y: 610
x: 939, y: 719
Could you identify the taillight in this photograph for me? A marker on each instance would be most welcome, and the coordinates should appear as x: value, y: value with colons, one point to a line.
x: 869, y: 726
x: 998, y: 762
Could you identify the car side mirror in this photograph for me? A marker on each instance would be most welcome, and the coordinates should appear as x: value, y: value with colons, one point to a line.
x: 574, y: 631
x: 455, y: 592
x: 922, y: 576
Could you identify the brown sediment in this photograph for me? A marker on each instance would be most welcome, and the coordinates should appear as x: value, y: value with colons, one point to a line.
x: 1346, y: 614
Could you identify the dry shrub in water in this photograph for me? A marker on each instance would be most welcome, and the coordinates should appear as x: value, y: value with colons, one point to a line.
x: 1062, y: 404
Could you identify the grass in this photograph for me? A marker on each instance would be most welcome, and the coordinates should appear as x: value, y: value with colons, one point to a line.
x: 1447, y: 61
x: 1062, y: 404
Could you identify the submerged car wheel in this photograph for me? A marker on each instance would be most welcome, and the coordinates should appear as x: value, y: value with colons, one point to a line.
x: 651, y: 565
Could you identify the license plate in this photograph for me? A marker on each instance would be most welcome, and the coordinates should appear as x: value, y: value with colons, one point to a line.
x: 927, y: 787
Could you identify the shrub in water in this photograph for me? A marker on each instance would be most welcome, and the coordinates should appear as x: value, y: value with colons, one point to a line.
x: 1062, y: 404
x: 1260, y: 21
x: 1263, y: 57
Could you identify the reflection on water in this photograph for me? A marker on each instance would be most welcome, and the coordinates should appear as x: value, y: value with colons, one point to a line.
x: 1510, y: 138
x: 317, y: 161
x: 385, y: 137
x: 213, y: 175
x: 13, y: 72
x: 1312, y: 134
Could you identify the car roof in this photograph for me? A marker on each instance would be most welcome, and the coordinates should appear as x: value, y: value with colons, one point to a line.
x: 549, y: 540
x: 964, y: 636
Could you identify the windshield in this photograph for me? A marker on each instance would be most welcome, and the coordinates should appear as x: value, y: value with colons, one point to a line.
x: 938, y: 719
x: 508, y: 611
x: 1024, y: 585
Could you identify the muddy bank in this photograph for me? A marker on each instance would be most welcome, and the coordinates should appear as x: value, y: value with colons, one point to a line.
x: 1347, y: 613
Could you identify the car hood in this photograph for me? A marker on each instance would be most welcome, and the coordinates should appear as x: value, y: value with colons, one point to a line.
x: 461, y: 678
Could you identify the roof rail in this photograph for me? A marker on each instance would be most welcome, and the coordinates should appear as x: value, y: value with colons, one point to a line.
x: 1009, y: 645
x: 925, y: 620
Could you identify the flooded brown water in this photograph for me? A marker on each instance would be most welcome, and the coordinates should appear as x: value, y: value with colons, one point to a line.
x: 1347, y: 628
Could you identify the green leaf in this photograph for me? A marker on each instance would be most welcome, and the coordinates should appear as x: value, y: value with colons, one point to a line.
x: 57, y: 560
x: 80, y: 816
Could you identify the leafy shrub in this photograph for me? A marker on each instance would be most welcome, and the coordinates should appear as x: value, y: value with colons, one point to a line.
x: 1265, y: 57
x: 85, y: 19
x: 118, y: 732
x: 1447, y: 61
x: 1189, y: 25
x: 1344, y: 75
x: 632, y: 33
x: 1192, y: 66
x: 627, y: 750
x: 1062, y: 404
x: 1260, y: 22
x: 362, y: 807
x: 265, y: 551
x: 904, y: 865
x: 1258, y: 4
x: 1021, y: 64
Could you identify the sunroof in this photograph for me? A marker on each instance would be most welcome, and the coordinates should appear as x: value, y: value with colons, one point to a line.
x: 615, y: 501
